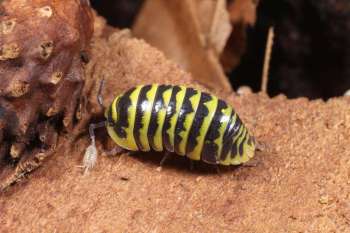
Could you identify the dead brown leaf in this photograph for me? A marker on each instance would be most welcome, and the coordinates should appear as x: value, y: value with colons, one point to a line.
x: 242, y: 15
x: 243, y: 11
x: 192, y: 33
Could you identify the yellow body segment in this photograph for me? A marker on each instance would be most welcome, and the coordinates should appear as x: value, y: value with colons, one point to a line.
x: 237, y: 159
x: 249, y: 150
x: 146, y: 117
x: 114, y: 110
x: 211, y: 106
x: 228, y: 159
x: 158, y: 140
x: 128, y: 142
x: 224, y: 122
x: 179, y: 99
x: 188, y: 122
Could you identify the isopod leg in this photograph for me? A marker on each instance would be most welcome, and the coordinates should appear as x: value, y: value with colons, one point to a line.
x: 166, y: 156
x: 217, y: 169
x: 115, y: 151
x: 191, y: 165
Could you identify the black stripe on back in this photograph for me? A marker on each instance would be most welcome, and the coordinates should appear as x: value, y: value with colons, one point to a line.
x: 227, y: 140
x: 171, y: 110
x: 201, y: 113
x: 232, y: 132
x: 238, y: 124
x: 140, y: 111
x: 157, y: 106
x: 240, y: 148
x: 122, y: 113
x: 185, y: 109
x: 234, y: 149
x: 210, y: 148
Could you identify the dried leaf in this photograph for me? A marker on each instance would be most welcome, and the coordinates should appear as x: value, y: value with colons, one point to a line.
x: 243, y: 11
x: 242, y: 15
x: 192, y: 33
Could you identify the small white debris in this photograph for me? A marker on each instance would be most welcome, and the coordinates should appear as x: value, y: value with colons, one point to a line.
x: 324, y: 199
x: 347, y: 93
x: 90, y: 157
x: 45, y: 11
x: 56, y: 77
x: 244, y: 90
x: 7, y: 26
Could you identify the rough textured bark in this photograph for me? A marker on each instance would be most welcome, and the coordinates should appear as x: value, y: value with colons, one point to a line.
x: 43, y: 48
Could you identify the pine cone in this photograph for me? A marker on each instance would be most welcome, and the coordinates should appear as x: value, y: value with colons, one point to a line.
x: 43, y: 48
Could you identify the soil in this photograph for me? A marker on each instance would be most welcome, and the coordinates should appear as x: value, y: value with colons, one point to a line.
x: 299, y: 182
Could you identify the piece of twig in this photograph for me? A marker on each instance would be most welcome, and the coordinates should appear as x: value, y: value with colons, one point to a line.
x: 27, y: 164
x: 267, y: 58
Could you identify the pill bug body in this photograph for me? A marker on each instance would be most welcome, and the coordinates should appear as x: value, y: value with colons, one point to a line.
x: 179, y: 119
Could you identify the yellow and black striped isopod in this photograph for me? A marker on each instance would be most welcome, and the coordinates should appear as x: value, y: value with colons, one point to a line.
x: 176, y: 119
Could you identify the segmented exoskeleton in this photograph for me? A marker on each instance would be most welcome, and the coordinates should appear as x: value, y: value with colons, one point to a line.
x: 179, y: 119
